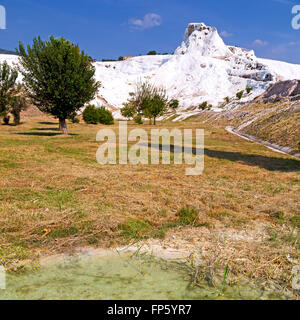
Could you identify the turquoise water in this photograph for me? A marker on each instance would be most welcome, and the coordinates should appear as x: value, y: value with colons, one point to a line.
x: 117, y: 277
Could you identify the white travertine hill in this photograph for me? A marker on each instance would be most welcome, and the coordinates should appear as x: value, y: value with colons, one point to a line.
x: 203, y: 68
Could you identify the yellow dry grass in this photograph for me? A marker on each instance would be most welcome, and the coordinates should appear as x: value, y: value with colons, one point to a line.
x: 54, y: 196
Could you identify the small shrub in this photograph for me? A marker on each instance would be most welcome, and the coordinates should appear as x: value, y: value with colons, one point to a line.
x: 240, y: 94
x: 174, y: 104
x: 249, y: 89
x: 91, y: 115
x: 227, y: 99
x: 188, y: 216
x: 203, y: 105
x: 105, y: 116
x: 152, y: 53
x: 94, y: 115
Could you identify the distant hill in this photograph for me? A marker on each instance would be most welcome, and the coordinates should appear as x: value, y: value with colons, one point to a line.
x: 3, y: 51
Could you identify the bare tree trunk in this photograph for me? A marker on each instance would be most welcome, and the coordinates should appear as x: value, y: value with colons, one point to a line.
x: 63, y: 126
x: 154, y: 121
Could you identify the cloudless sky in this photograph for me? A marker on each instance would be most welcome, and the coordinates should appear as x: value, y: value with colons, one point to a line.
x: 113, y: 28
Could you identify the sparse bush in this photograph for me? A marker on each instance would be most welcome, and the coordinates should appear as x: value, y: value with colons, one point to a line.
x: 249, y: 89
x: 91, y: 115
x: 174, y: 104
x: 240, y: 94
x: 203, y: 105
x: 227, y: 99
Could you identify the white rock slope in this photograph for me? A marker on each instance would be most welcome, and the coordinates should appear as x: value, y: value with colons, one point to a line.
x: 203, y: 68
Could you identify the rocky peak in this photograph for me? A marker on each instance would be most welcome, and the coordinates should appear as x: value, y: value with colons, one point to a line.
x: 200, y: 39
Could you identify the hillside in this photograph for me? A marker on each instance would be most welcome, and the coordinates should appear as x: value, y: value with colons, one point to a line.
x: 272, y: 119
x: 203, y: 68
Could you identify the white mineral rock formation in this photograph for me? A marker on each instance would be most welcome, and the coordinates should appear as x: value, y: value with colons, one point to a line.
x: 202, y: 69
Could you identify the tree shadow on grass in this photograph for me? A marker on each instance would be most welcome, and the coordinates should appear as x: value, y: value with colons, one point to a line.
x: 264, y: 162
x: 44, y: 134
x: 49, y: 123
x: 268, y: 163
x: 45, y: 129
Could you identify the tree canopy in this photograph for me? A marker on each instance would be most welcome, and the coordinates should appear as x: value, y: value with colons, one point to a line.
x: 58, y: 77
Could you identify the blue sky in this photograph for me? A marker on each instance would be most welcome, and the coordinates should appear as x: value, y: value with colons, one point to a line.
x: 110, y: 28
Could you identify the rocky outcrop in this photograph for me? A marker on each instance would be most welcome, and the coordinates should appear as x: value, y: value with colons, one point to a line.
x: 289, y: 90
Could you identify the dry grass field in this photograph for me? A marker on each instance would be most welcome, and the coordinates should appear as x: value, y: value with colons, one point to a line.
x: 54, y: 196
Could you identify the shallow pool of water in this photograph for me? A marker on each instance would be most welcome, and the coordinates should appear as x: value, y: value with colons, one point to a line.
x: 117, y: 277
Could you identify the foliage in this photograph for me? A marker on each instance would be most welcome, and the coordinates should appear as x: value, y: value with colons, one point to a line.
x: 148, y: 101
x: 90, y: 115
x: 12, y: 98
x: 174, y: 104
x: 152, y: 53
x: 156, y: 104
x: 94, y: 115
x: 240, y: 94
x: 18, y: 104
x: 8, y: 78
x: 205, y: 106
x: 249, y: 89
x: 75, y: 120
x: 128, y: 111
x: 138, y: 119
x: 58, y: 76
x: 105, y: 116
x: 227, y: 99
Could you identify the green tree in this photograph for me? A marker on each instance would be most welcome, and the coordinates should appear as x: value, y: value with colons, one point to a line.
x: 157, y: 104
x: 128, y: 111
x: 146, y: 101
x: 8, y: 79
x: 58, y: 76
